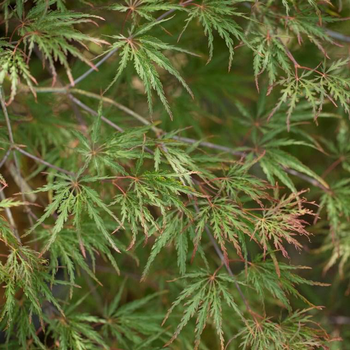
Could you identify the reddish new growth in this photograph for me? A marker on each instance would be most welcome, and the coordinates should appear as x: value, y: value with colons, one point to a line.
x: 282, y: 222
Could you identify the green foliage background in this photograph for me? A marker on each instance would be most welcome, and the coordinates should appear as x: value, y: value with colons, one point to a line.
x: 175, y: 175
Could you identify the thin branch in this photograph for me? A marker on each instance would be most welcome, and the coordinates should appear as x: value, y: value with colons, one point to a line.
x: 144, y: 121
x: 210, y: 145
x: 78, y: 114
x: 166, y: 14
x: 103, y: 118
x: 41, y: 90
x: 289, y: 54
x: 118, y: 105
x: 93, y: 112
x: 158, y: 131
x: 7, y: 119
x: 111, y: 53
x: 310, y: 180
x: 38, y: 53
x: 39, y: 160
x: 20, y: 181
x: 99, y: 63
x: 7, y: 154
x: 340, y: 320
x: 338, y: 36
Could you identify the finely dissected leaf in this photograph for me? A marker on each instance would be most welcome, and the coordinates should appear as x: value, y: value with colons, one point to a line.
x: 9, y: 203
x: 53, y: 33
x: 6, y: 6
x: 336, y: 203
x: 111, y: 152
x: 72, y: 197
x: 268, y: 334
x: 176, y: 233
x: 151, y: 189
x: 339, y: 148
x: 76, y: 331
x: 316, y: 87
x: 145, y: 52
x: 282, y: 223
x: 14, y: 66
x: 144, y: 8
x: 24, y: 271
x: 270, y: 55
x: 179, y: 160
x: 339, y: 249
x: 223, y: 180
x: 127, y: 323
x: 216, y: 15
x: 275, y: 160
x: 74, y: 254
x: 238, y: 180
x: 305, y: 25
x: 262, y: 276
x: 228, y: 223
x: 203, y: 299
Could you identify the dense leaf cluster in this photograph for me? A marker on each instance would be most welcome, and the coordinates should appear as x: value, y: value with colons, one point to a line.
x: 123, y: 225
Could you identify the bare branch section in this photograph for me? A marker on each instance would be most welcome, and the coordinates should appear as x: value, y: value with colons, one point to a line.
x: 41, y: 161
